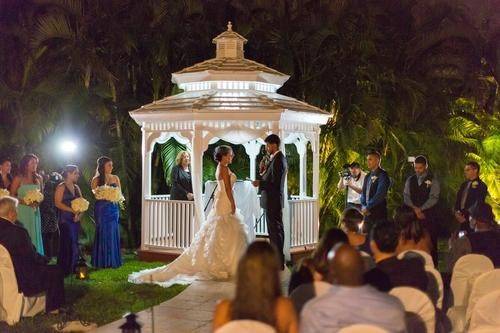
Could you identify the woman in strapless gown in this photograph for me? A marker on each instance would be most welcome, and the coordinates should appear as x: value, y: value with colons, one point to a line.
x: 218, y: 245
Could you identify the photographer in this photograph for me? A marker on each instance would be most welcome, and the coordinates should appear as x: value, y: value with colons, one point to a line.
x: 352, y: 178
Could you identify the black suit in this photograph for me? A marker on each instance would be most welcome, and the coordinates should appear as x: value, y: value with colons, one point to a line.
x: 476, y: 193
x: 272, y: 200
x: 33, y: 275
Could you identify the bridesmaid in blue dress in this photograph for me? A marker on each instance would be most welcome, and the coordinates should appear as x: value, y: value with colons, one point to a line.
x: 29, y: 215
x: 106, y: 252
x: 69, y: 220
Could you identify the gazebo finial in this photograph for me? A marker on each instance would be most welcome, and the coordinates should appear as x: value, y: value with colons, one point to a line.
x: 229, y: 26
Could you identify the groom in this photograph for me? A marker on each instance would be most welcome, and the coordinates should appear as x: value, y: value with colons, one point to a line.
x: 272, y: 193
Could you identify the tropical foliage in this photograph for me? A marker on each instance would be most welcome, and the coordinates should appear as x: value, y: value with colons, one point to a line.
x: 405, y: 77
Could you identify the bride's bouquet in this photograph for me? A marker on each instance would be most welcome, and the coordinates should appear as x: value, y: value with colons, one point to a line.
x: 109, y: 193
x: 4, y: 192
x: 33, y: 197
x: 79, y: 205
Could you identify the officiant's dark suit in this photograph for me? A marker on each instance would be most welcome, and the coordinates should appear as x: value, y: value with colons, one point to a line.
x: 33, y: 275
x: 272, y: 200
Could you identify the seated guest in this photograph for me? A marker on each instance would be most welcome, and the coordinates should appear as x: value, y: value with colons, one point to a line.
x: 349, y: 301
x: 305, y: 284
x: 413, y: 236
x: 258, y: 292
x: 182, y: 187
x: 351, y: 224
x: 390, y: 271
x: 330, y: 238
x: 33, y: 274
x: 485, y: 241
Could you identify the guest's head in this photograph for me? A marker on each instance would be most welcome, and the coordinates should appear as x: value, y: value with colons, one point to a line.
x: 5, y: 166
x: 257, y: 284
x: 224, y: 155
x: 355, y: 169
x: 272, y: 143
x: 351, y: 220
x: 183, y: 159
x: 471, y: 170
x: 104, y: 167
x: 346, y: 266
x: 330, y: 238
x: 8, y: 208
x: 373, y: 159
x: 384, y: 239
x: 483, y: 217
x: 420, y: 165
x: 28, y: 166
x: 71, y: 173
x: 303, y: 273
x: 403, y: 216
x: 413, y: 236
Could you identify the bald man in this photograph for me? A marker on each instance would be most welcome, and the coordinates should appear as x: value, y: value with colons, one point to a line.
x: 349, y: 301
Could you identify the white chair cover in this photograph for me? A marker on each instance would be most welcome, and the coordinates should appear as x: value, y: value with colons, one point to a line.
x: 14, y: 305
x: 427, y: 257
x: 465, y: 271
x: 440, y: 286
x: 485, y: 329
x: 362, y: 328
x: 486, y: 312
x: 245, y: 326
x: 417, y: 302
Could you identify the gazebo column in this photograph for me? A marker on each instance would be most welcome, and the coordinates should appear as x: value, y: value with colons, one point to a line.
x: 286, y: 208
x: 315, y: 148
x: 301, y: 145
x: 197, y: 176
x: 252, y: 148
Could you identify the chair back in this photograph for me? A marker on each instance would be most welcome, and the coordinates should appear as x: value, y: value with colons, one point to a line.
x: 245, y: 326
x: 485, y: 284
x: 9, y: 292
x: 417, y: 303
x: 362, y: 328
x: 426, y: 256
x: 435, y: 286
x: 485, y: 313
x: 465, y: 271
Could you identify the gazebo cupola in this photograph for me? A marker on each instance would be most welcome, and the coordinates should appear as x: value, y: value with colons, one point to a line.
x: 235, y: 99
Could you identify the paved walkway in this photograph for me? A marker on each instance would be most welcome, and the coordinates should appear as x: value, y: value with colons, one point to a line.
x: 190, y: 311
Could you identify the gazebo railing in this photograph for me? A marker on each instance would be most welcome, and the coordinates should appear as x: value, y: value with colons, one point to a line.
x: 304, y: 222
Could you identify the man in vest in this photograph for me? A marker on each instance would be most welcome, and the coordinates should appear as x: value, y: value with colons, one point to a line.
x: 471, y: 193
x: 421, y: 193
x: 485, y: 241
x: 374, y: 196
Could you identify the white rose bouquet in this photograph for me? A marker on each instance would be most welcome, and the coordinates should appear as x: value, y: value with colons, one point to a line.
x: 4, y: 192
x: 109, y: 193
x: 79, y: 205
x: 33, y: 197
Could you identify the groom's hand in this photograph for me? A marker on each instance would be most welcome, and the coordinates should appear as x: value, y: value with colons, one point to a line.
x: 256, y: 183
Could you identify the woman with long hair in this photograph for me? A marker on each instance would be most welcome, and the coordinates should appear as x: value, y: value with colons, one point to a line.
x: 182, y: 188
x: 258, y: 292
x: 50, y: 215
x: 329, y: 239
x: 29, y: 215
x: 69, y: 220
x: 5, y: 175
x: 106, y: 252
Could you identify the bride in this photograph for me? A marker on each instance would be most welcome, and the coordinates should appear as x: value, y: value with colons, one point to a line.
x: 217, y: 246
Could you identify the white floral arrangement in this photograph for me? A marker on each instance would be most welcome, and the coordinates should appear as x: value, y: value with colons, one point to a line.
x: 109, y: 193
x: 475, y: 184
x: 80, y: 205
x: 33, y: 197
x: 428, y: 182
x: 4, y: 192
x: 374, y: 178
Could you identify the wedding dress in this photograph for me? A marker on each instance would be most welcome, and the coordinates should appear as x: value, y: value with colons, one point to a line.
x: 213, y: 254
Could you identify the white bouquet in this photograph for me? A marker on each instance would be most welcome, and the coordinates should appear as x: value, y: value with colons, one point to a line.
x: 4, y: 192
x: 79, y: 205
x: 109, y: 193
x: 33, y: 197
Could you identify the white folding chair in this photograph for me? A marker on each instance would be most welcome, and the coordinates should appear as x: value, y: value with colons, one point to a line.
x: 362, y: 328
x: 14, y: 305
x: 486, y: 312
x: 417, y: 302
x: 484, y: 284
x: 465, y: 271
x: 426, y: 256
x: 438, y: 279
x: 245, y: 326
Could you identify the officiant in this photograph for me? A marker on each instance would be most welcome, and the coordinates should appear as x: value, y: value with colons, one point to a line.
x: 182, y: 187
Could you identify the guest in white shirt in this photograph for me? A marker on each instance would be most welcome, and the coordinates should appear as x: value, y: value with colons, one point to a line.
x: 354, y: 185
x: 349, y: 301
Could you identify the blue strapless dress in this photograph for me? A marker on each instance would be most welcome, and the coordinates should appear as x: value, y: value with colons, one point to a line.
x: 106, y: 252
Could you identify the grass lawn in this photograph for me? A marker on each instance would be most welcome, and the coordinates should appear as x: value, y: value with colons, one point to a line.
x: 104, y: 298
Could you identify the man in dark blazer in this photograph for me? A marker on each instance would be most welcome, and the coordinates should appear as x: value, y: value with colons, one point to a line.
x: 272, y: 197
x: 374, y: 195
x: 472, y: 192
x: 33, y: 274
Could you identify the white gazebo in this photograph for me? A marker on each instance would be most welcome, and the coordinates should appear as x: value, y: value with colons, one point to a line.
x: 234, y: 99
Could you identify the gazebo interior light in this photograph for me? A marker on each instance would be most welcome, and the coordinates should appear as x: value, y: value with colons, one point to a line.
x: 229, y: 85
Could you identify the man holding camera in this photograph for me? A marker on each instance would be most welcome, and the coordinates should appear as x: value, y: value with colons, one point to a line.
x: 352, y: 179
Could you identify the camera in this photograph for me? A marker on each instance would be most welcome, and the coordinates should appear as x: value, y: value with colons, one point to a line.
x: 345, y: 173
